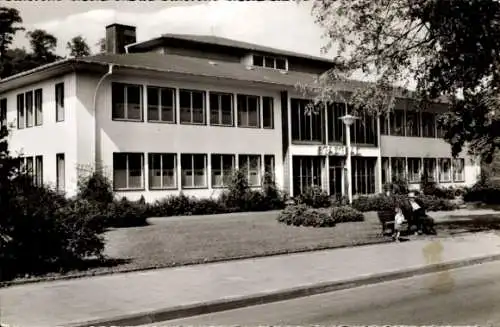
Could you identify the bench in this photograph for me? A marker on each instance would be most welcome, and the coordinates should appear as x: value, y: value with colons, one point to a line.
x: 386, y: 219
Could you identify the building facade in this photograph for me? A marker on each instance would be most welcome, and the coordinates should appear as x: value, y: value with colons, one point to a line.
x: 180, y: 112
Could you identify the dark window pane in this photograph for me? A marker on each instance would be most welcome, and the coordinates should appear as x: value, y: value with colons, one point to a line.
x: 153, y: 103
x: 269, y: 62
x: 167, y: 105
x: 258, y: 61
x: 280, y: 64
x: 20, y: 111
x: 38, y: 107
x: 29, y: 109
x: 134, y: 103
x: 118, y: 100
x: 268, y: 112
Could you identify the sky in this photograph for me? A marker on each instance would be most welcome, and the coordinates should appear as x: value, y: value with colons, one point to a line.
x: 287, y: 25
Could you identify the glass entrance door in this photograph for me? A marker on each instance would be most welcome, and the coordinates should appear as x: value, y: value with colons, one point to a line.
x: 336, y: 171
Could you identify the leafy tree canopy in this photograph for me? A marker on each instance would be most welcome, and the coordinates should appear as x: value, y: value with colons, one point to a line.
x: 78, y: 47
x: 448, y: 48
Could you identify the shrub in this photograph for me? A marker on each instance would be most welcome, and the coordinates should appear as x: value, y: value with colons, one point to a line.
x: 398, y: 186
x: 433, y: 203
x: 373, y: 203
x: 125, y: 213
x: 314, y: 197
x: 95, y: 187
x: 388, y: 203
x: 302, y: 215
x: 345, y: 214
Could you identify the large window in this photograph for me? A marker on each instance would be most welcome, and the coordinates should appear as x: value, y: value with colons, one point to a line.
x: 20, y: 111
x: 398, y: 168
x: 3, y: 112
x: 38, y: 107
x: 28, y: 101
x: 428, y: 124
x: 38, y: 170
x: 221, y: 109
x: 335, y: 125
x: 445, y: 170
x: 268, y: 112
x: 250, y: 165
x: 397, y: 123
x: 60, y: 101
x: 126, y: 102
x: 269, y: 166
x: 429, y: 172
x: 269, y: 62
x: 363, y: 178
x: 161, y: 104
x: 413, y: 123
x: 192, y: 107
x: 29, y: 166
x: 307, y: 126
x: 162, y: 171
x: 363, y: 130
x: 386, y: 170
x: 414, y: 170
x: 61, y: 172
x: 128, y: 171
x: 248, y: 111
x: 194, y: 170
x: 384, y: 124
x: 306, y: 173
x: 222, y: 169
x: 458, y: 170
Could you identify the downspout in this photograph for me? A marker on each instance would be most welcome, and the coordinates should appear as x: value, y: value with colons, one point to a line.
x: 97, y: 148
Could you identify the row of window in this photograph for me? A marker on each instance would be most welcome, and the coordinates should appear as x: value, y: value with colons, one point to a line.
x: 269, y: 62
x: 127, y: 100
x: 128, y: 170
x: 410, y: 123
x: 34, y: 165
x: 30, y: 107
x: 445, y: 170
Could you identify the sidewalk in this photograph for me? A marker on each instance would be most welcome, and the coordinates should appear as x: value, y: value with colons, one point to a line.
x: 109, y: 297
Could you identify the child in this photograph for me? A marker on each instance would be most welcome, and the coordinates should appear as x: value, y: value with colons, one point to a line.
x: 398, y: 221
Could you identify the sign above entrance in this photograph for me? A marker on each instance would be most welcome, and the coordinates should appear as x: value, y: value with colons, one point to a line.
x: 336, y: 150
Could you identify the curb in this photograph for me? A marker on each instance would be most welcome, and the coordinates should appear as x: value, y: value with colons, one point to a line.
x: 282, y: 295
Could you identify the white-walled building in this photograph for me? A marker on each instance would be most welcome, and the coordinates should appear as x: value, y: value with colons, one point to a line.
x: 180, y: 112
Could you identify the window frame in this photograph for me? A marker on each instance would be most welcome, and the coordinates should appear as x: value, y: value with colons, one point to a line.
x: 3, y: 112
x: 272, y: 165
x: 462, y: 174
x: 393, y: 120
x: 441, y: 161
x: 297, y: 115
x: 240, y: 111
x: 38, y: 106
x: 162, y: 157
x: 127, y: 171
x: 219, y: 96
x: 59, y: 99
x: 219, y: 157
x: 191, y: 168
x: 363, y: 175
x: 270, y: 113
x: 28, y: 107
x: 432, y: 161
x: 306, y: 173
x: 159, y: 106
x: 21, y: 114
x: 426, y: 127
x: 60, y: 170
x: 395, y: 176
x: 412, y: 131
x: 204, y: 107
x: 38, y: 175
x: 125, y: 87
x: 412, y: 179
x: 249, y: 170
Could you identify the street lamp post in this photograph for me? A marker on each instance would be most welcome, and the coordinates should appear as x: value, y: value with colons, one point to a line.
x: 348, y: 120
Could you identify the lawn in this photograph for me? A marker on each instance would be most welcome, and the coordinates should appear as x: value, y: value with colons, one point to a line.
x: 174, y: 241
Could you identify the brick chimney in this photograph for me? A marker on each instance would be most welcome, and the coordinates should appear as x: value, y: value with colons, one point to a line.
x: 118, y: 36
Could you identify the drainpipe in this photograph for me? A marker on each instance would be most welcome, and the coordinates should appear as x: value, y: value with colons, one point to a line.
x: 97, y: 134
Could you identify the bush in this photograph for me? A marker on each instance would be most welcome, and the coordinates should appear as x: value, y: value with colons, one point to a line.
x: 388, y: 203
x: 95, y: 187
x: 302, y: 215
x: 433, y: 203
x: 345, y: 214
x: 314, y: 197
x: 398, y: 186
x: 125, y: 213
x: 373, y: 203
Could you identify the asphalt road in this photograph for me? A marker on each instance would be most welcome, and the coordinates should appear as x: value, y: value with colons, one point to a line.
x: 466, y: 296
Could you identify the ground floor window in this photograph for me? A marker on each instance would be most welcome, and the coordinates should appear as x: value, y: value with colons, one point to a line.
x: 222, y: 169
x: 444, y: 170
x: 38, y: 170
x: 363, y: 175
x: 429, y: 173
x: 386, y: 171
x: 336, y: 175
x: 398, y: 168
x: 250, y: 165
x: 458, y: 170
x: 414, y: 170
x: 128, y: 171
x: 162, y: 171
x: 306, y: 173
x: 61, y: 172
x: 269, y: 166
x: 194, y: 170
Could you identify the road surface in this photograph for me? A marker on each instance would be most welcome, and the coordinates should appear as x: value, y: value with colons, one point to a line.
x: 466, y: 296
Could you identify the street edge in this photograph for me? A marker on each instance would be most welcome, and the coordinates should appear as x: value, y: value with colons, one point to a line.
x: 282, y: 295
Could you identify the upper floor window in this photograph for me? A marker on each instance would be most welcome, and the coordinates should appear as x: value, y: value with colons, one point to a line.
x: 412, y: 123
x: 60, y: 102
x: 397, y: 123
x: 335, y: 124
x: 248, y: 111
x: 221, y: 109
x: 29, y: 109
x: 268, y: 112
x: 363, y: 131
x: 126, y: 102
x: 20, y: 111
x: 38, y: 107
x: 306, y: 125
x: 161, y: 104
x: 3, y: 112
x: 28, y: 101
x: 428, y: 124
x: 192, y: 106
x: 269, y: 62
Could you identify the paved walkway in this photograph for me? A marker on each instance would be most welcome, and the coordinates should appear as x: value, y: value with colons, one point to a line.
x: 80, y: 300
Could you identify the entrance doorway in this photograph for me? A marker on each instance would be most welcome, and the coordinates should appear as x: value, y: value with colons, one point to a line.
x: 336, y: 172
